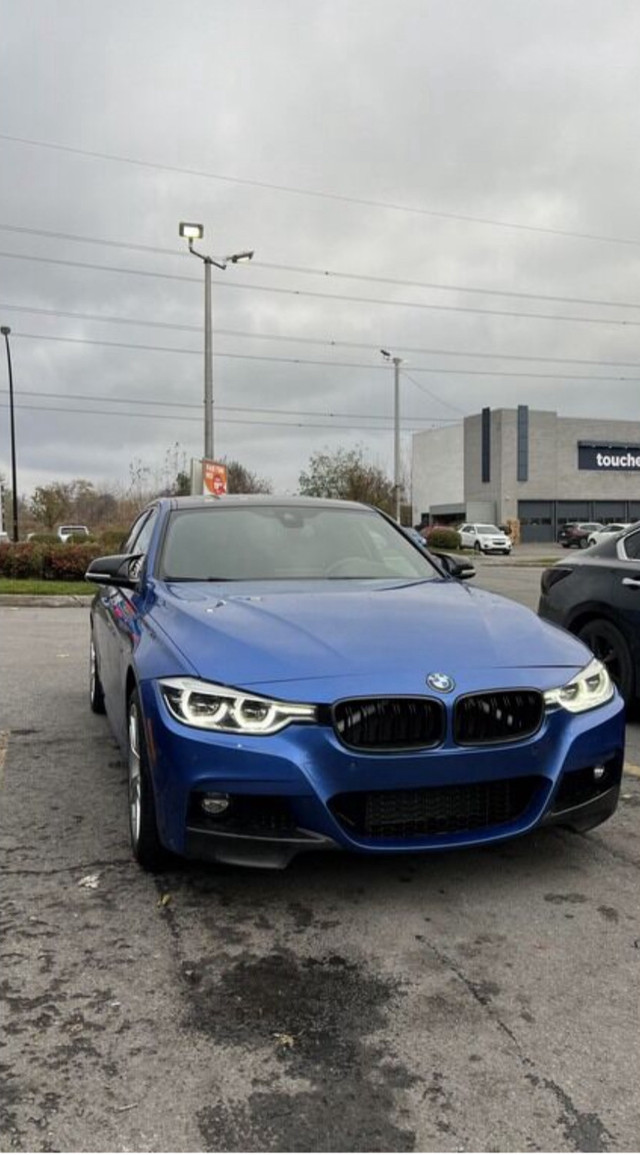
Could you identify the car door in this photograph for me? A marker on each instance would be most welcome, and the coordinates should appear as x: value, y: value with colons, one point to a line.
x: 116, y: 625
x: 625, y: 588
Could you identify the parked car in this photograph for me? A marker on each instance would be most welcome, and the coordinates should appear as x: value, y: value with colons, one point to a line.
x: 296, y: 674
x: 576, y: 533
x: 485, y: 539
x: 599, y: 535
x: 597, y: 597
x: 64, y: 532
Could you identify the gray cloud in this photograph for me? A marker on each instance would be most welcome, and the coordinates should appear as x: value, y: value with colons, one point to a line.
x: 521, y: 112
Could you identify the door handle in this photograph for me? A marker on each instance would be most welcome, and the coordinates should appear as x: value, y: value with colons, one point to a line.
x: 634, y: 583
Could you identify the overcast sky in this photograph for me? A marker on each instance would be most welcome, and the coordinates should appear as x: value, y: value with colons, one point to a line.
x: 524, y: 112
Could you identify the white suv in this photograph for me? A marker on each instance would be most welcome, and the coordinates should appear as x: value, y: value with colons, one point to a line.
x: 484, y: 539
x: 66, y: 531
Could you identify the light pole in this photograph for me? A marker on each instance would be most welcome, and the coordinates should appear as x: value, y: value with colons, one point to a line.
x: 396, y: 362
x: 5, y: 330
x: 194, y: 232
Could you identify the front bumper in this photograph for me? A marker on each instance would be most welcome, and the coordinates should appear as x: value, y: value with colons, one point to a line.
x: 306, y: 770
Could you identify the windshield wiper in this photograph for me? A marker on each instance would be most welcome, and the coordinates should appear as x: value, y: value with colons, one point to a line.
x: 199, y: 579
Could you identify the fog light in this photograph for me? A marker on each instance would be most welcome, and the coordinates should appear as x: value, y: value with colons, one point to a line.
x: 215, y: 803
x: 598, y: 772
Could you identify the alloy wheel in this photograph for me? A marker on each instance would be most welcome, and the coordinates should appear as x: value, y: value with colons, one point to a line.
x: 135, y: 778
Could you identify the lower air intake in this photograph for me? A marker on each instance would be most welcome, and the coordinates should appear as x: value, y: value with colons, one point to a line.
x: 436, y: 809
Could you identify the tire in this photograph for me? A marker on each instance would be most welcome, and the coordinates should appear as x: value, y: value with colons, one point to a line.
x: 147, y: 848
x: 607, y: 643
x: 583, y: 543
x: 96, y: 693
x: 477, y: 547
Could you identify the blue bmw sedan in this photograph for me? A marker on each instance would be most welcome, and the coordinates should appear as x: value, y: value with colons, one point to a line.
x: 294, y: 674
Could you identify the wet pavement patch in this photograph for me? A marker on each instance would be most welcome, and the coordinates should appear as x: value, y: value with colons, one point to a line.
x: 318, y: 1016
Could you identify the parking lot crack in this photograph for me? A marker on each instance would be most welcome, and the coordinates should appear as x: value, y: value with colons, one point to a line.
x: 584, y: 1130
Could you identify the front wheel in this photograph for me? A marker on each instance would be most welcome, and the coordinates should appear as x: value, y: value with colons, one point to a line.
x: 477, y: 547
x: 607, y: 643
x: 143, y: 826
x: 583, y: 543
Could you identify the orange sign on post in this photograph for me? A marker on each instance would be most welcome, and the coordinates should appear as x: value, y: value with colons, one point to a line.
x: 214, y: 478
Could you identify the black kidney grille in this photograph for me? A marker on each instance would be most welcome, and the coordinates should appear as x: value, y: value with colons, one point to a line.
x: 497, y: 716
x: 389, y: 723
x: 436, y: 809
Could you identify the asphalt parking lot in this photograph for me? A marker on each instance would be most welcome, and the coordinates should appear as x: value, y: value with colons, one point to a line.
x: 464, y: 1001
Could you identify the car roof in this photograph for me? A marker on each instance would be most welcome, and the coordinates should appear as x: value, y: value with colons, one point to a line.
x: 266, y: 499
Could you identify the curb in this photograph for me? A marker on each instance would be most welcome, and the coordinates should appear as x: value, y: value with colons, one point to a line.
x: 48, y: 601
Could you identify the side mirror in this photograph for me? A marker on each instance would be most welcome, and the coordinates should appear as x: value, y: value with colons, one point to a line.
x: 462, y: 570
x: 118, y: 569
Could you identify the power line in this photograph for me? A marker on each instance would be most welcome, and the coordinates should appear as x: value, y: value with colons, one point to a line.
x: 340, y: 297
x: 327, y: 273
x: 423, y: 389
x: 433, y: 370
x: 198, y: 420
x: 226, y: 408
x: 320, y: 194
x: 328, y: 343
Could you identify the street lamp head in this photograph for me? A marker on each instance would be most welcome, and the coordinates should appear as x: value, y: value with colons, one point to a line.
x: 5, y: 330
x: 239, y: 258
x: 190, y: 231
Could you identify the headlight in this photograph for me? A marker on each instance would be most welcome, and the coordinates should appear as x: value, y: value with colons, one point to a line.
x: 590, y: 688
x: 212, y: 707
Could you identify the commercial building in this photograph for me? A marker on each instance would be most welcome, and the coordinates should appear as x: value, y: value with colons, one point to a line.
x: 528, y: 464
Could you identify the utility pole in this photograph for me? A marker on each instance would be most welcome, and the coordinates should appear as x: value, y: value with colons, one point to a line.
x: 5, y: 330
x: 191, y: 233
x: 208, y: 364
x: 396, y: 362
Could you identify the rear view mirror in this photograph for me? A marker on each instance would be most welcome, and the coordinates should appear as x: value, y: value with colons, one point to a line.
x: 462, y: 570
x: 118, y: 569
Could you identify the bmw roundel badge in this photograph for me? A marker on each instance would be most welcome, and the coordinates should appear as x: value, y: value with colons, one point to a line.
x: 441, y: 682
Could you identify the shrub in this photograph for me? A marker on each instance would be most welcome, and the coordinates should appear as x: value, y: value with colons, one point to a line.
x: 23, y: 560
x: 79, y: 539
x: 45, y: 538
x: 441, y: 537
x: 70, y: 562
x: 5, y: 550
x: 29, y: 559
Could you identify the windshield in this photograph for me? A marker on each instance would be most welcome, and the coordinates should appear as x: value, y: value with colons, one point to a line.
x: 279, y: 543
x: 488, y: 529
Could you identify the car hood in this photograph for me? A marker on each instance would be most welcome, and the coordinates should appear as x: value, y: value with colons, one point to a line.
x: 326, y: 639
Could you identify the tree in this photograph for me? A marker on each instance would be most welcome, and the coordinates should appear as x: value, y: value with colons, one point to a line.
x: 243, y: 480
x: 181, y: 485
x: 51, y: 504
x: 346, y: 475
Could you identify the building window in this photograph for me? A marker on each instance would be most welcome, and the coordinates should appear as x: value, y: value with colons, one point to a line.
x: 486, y: 445
x: 523, y: 442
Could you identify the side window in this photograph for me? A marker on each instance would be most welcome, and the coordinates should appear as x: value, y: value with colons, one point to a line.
x: 632, y: 546
x: 134, y: 531
x: 140, y: 533
x: 141, y: 543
